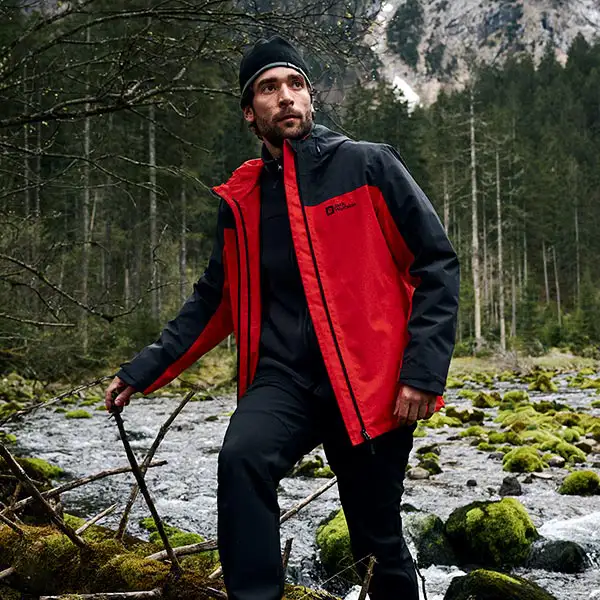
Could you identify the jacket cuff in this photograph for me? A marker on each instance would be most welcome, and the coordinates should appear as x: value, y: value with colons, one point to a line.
x: 124, y: 376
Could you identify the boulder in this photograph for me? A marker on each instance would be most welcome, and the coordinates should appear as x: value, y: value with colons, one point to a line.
x: 522, y: 460
x: 580, y: 483
x: 491, y: 585
x: 559, y: 556
x: 494, y: 534
x: 429, y: 538
x: 510, y: 487
x: 418, y: 473
x: 333, y: 541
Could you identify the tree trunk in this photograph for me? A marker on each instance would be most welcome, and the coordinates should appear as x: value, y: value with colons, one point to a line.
x: 500, y: 258
x: 545, y: 263
x: 557, y: 286
x: 183, y: 248
x: 26, y: 178
x: 513, y: 282
x: 153, y: 226
x: 475, y: 268
x: 446, y: 202
x: 85, y: 221
x: 577, y: 256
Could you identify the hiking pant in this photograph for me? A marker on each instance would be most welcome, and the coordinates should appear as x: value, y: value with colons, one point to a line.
x: 275, y: 424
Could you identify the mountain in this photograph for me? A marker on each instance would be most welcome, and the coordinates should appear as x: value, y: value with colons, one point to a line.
x: 428, y: 45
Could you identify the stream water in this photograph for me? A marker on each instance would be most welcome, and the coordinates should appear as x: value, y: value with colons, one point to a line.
x: 185, y: 489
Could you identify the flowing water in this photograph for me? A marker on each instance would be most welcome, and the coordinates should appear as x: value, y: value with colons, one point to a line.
x: 185, y: 489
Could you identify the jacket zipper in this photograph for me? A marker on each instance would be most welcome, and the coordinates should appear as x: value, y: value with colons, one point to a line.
x: 363, y: 430
x: 245, y: 236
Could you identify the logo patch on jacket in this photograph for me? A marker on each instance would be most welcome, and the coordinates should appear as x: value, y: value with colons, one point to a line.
x: 338, y: 207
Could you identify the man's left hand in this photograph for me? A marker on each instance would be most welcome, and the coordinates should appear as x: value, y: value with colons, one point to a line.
x: 413, y: 404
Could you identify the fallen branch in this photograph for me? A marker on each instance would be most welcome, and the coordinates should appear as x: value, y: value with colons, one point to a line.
x: 12, y: 525
x: 71, y: 485
x: 367, y: 579
x: 95, y: 519
x: 157, y: 593
x: 218, y: 594
x: 287, y: 550
x: 6, y: 573
x: 54, y: 400
x: 18, y: 471
x: 212, y: 544
x: 175, y: 566
x: 144, y: 467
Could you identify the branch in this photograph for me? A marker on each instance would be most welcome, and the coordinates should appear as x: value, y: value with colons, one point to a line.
x: 98, y: 517
x: 36, y: 323
x: 156, y: 593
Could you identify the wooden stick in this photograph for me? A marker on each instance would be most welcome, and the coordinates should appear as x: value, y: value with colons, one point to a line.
x: 156, y: 593
x: 367, y: 579
x: 71, y: 485
x: 54, y: 400
x: 286, y: 553
x: 95, y: 519
x: 212, y: 544
x: 18, y: 471
x: 175, y: 566
x: 218, y: 594
x: 144, y: 467
x: 6, y: 573
x: 12, y: 525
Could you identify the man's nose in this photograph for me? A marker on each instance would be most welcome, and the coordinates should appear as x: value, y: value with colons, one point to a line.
x: 285, y: 97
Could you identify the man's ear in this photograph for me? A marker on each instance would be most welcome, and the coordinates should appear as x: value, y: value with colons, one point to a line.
x: 249, y: 114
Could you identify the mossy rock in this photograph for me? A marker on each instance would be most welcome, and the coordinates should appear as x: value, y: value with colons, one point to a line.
x: 496, y: 534
x: 507, y: 376
x: 325, y: 473
x: 543, y: 383
x: 468, y: 394
x: 38, y: 469
x: 558, y: 556
x: 333, y: 541
x: 79, y: 413
x: 590, y: 384
x: 307, y: 466
x: 546, y: 406
x: 465, y: 416
x: 431, y: 464
x: 595, y: 404
x: 299, y: 592
x: 474, y: 431
x: 486, y: 447
x: 570, y: 434
x: 483, y: 400
x: 428, y: 449
x: 7, y: 438
x: 580, y: 483
x: 523, y: 460
x: 514, y: 397
x: 438, y: 420
x: 428, y: 535
x: 131, y: 573
x: 569, y: 452
x: 420, y: 431
x: 454, y: 383
x: 492, y: 585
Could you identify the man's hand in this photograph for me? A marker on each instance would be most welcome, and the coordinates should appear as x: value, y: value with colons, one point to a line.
x: 413, y: 404
x: 118, y: 394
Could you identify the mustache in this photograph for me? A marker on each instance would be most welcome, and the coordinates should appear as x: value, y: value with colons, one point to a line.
x: 287, y: 115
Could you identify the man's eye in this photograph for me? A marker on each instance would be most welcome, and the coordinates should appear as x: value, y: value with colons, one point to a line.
x: 297, y: 83
x: 268, y: 88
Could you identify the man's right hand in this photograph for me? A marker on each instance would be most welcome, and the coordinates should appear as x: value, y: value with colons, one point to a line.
x: 118, y: 394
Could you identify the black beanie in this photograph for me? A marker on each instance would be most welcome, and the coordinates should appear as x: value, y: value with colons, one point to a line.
x: 267, y: 54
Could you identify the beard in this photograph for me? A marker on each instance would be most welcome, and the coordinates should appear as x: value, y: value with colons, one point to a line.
x: 275, y: 130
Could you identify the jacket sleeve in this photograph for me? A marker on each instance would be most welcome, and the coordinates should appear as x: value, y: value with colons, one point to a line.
x: 433, y: 269
x: 203, y: 321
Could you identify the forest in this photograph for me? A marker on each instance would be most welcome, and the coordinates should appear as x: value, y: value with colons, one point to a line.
x: 116, y: 119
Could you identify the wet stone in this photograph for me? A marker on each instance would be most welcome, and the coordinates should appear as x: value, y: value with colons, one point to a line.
x: 510, y: 487
x: 559, y: 556
x: 471, y: 483
x: 418, y: 473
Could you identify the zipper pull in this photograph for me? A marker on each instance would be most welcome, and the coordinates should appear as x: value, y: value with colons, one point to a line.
x: 369, y: 441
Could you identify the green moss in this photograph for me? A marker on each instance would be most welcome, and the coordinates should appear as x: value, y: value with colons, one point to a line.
x: 420, y: 431
x: 39, y: 469
x: 483, y: 400
x: 543, y: 383
x: 468, y: 394
x: 547, y: 406
x: 431, y: 464
x: 7, y: 593
x: 569, y: 452
x: 132, y: 573
x: 7, y: 438
x: 515, y: 397
x: 333, y: 541
x: 308, y: 466
x: 507, y: 376
x: 595, y: 403
x: 580, y: 483
x: 438, y: 420
x: 453, y: 383
x: 590, y: 384
x: 492, y: 533
x: 299, y: 592
x: 474, y: 431
x: 324, y: 472
x: 78, y: 414
x: 522, y: 460
x: 570, y: 435
x: 485, y: 447
x: 483, y: 584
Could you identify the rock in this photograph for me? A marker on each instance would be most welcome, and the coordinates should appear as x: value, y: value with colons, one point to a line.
x: 584, y: 446
x: 483, y: 400
x: 522, y: 460
x: 491, y: 585
x: 559, y: 556
x: 515, y: 397
x: 333, y: 541
x: 427, y: 533
x: 496, y: 455
x: 528, y: 479
x: 429, y: 448
x: 543, y: 383
x: 510, y: 487
x: 495, y: 534
x: 556, y: 461
x: 311, y: 466
x: 418, y: 473
x: 546, y: 476
x: 580, y: 483
x: 471, y: 483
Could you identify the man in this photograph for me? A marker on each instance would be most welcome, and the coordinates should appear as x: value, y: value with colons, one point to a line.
x: 334, y: 272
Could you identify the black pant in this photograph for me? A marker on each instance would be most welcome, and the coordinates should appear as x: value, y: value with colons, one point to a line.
x: 275, y: 424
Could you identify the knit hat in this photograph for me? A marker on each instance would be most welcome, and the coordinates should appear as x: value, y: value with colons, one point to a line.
x: 267, y: 54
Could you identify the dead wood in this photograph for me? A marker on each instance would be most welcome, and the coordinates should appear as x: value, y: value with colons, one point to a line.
x: 6, y: 573
x: 95, y: 519
x: 157, y: 593
x: 287, y: 550
x: 367, y: 580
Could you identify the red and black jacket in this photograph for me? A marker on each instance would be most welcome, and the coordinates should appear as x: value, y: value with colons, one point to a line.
x: 380, y: 276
